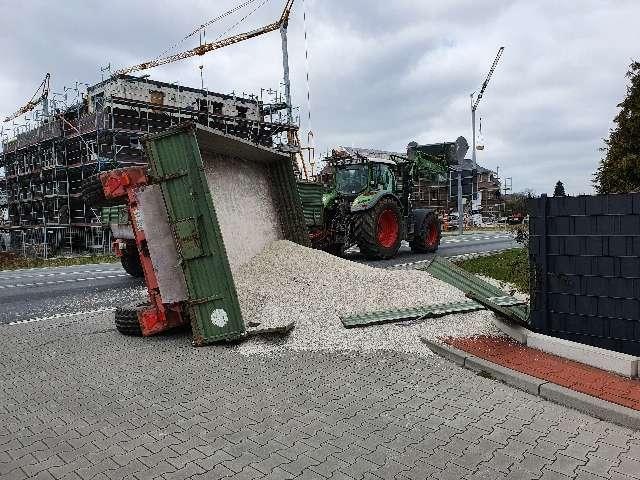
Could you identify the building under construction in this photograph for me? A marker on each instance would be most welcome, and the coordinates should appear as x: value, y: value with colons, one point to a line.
x: 42, y: 209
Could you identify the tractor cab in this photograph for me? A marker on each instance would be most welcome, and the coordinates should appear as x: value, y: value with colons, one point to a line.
x: 363, y: 178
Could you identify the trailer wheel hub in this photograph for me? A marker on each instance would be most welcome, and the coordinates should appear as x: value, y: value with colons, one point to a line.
x: 388, y: 228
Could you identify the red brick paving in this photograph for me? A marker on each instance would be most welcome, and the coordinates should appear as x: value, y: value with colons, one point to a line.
x: 577, y: 376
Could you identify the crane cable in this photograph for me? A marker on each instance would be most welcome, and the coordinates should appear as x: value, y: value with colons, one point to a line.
x: 204, y: 25
x: 43, y: 90
x: 310, y: 135
x: 235, y: 25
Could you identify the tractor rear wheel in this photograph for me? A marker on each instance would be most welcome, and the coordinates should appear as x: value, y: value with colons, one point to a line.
x: 127, y: 322
x: 377, y: 231
x: 130, y: 260
x: 427, y: 236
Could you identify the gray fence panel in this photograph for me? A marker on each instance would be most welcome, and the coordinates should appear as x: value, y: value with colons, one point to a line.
x: 585, y: 259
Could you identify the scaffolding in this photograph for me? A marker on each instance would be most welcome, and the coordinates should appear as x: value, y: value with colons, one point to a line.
x: 44, y: 167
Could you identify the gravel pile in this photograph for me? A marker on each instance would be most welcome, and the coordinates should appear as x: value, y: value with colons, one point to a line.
x: 288, y: 282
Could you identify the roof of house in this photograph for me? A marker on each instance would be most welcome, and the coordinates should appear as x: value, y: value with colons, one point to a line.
x: 370, y: 152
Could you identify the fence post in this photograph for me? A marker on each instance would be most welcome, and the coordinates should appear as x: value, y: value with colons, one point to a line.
x: 544, y: 263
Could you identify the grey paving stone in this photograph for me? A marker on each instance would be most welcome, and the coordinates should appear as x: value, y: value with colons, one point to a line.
x: 208, y: 462
x: 517, y: 473
x: 298, y: 465
x: 247, y: 473
x: 501, y: 462
x: 531, y: 463
x: 551, y: 475
x: 375, y: 415
x: 329, y: 466
x: 628, y: 467
x: 485, y: 474
x: 359, y: 468
x: 546, y: 449
x: 598, y: 465
x: 515, y: 448
x: 578, y: 450
x: 420, y: 472
x: 605, y: 450
x: 584, y: 475
x: 500, y: 435
x: 565, y: 465
x: 633, y: 452
x: 391, y: 469
x: 381, y: 455
x: 156, y: 471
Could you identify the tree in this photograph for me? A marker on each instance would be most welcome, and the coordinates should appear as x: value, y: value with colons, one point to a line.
x: 559, y: 190
x: 619, y: 170
x: 516, y: 203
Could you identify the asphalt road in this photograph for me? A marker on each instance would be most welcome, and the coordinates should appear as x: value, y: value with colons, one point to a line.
x: 46, y: 292
x: 451, y: 245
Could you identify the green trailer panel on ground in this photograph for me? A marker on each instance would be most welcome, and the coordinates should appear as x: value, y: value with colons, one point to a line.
x: 475, y: 287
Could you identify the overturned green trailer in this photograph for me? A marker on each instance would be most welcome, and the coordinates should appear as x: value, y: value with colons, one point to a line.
x: 208, y: 203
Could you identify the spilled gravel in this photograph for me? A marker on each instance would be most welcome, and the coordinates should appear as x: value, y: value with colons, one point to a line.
x: 287, y: 282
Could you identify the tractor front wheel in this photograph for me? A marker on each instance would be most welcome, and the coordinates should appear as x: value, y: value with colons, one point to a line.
x: 377, y: 230
x: 427, y: 236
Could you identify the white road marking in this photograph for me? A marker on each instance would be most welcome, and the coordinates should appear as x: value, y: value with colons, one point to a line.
x: 473, y: 238
x: 62, y: 315
x: 49, y: 268
x: 33, y: 275
x: 70, y: 280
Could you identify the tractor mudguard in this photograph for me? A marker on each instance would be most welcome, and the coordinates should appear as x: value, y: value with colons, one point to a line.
x: 365, y: 202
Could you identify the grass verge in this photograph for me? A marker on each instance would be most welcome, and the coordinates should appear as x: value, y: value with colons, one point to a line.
x: 511, y: 266
x: 11, y: 261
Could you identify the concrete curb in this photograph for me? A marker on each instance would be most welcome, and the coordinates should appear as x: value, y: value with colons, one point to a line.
x: 516, y: 379
x: 615, y: 362
x: 582, y: 402
x: 596, y: 407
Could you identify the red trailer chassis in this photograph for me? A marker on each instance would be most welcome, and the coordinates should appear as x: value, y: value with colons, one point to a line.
x: 157, y: 317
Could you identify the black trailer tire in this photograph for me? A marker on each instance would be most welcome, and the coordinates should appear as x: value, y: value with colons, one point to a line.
x: 428, y: 235
x: 93, y: 193
x: 378, y: 230
x: 127, y: 322
x: 130, y: 260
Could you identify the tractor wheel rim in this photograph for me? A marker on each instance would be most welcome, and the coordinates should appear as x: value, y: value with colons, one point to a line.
x: 388, y: 228
x: 432, y: 236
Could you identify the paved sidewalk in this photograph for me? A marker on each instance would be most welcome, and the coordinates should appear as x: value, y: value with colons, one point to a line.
x: 79, y: 401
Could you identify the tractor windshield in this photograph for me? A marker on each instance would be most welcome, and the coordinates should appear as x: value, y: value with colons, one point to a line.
x: 352, y: 179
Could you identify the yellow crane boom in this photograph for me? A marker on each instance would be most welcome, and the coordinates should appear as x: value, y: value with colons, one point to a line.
x: 43, y: 91
x: 208, y: 47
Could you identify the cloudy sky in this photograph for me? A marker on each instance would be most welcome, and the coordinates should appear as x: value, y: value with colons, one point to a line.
x: 382, y: 73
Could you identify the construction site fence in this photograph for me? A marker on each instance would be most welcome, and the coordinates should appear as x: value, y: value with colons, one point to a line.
x: 585, y: 264
x: 56, y: 241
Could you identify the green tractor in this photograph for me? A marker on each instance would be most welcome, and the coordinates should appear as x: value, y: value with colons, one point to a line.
x: 370, y: 206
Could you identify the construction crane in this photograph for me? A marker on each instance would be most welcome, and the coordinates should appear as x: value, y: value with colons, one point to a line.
x: 280, y: 24
x: 208, y: 47
x: 474, y: 105
x: 41, y: 95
